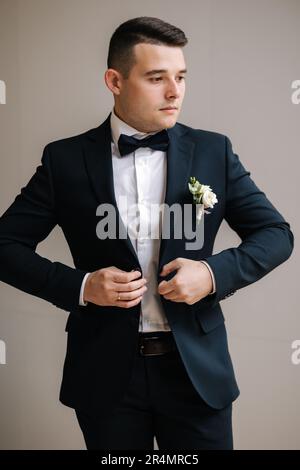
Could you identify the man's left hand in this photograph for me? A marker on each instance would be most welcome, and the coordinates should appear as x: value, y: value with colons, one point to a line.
x: 191, y: 283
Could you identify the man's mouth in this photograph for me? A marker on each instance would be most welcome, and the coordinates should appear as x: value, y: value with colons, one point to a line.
x: 169, y: 110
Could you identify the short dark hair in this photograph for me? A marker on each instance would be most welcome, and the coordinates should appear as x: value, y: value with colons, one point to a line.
x: 144, y: 29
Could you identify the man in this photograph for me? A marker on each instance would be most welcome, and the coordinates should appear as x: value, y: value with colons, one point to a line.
x: 147, y: 351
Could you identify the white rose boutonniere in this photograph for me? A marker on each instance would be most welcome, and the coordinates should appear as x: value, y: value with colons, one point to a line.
x: 203, y: 197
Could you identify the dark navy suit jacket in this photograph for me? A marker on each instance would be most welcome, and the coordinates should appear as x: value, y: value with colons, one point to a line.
x: 76, y: 176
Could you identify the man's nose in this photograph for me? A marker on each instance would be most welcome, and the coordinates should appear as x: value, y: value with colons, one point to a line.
x: 173, y: 90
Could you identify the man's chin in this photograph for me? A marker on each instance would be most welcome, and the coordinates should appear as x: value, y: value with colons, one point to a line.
x: 169, y: 122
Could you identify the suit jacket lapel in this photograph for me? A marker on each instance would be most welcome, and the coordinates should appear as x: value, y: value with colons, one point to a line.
x: 98, y: 158
x: 179, y: 161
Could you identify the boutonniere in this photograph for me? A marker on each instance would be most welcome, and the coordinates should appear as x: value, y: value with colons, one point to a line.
x: 203, y: 197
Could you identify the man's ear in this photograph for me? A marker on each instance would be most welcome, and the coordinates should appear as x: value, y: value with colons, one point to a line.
x: 113, y: 81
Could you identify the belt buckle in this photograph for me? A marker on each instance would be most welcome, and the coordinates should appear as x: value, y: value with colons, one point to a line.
x: 149, y: 354
x: 142, y: 347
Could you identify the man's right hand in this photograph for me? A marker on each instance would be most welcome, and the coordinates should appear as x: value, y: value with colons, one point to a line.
x: 103, y: 287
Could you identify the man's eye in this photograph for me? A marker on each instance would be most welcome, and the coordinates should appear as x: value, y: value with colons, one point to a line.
x: 157, y: 79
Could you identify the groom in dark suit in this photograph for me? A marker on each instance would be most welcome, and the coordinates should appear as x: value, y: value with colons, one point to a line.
x: 147, y: 350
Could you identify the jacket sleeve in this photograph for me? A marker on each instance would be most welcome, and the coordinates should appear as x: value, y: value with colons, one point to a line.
x: 27, y: 222
x: 267, y: 240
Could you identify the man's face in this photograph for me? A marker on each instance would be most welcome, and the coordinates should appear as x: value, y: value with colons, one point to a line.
x: 156, y: 81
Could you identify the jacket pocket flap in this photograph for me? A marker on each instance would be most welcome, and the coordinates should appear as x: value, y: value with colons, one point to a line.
x: 82, y: 319
x: 210, y: 318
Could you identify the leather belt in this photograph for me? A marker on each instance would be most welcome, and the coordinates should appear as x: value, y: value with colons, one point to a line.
x: 156, y: 344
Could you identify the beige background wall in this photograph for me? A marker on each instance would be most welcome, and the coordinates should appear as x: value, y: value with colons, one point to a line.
x: 242, y: 58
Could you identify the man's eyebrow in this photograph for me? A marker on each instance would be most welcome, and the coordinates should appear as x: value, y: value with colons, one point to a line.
x: 156, y: 71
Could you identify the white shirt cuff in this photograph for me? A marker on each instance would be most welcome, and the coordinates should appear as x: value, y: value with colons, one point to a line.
x: 81, y: 301
x: 212, y: 277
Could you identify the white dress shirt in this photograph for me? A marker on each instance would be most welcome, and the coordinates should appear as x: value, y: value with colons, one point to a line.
x: 140, y: 180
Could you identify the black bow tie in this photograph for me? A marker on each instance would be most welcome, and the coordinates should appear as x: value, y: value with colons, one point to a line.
x: 128, y: 144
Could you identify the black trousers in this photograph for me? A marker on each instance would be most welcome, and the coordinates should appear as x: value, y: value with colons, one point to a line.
x: 160, y: 401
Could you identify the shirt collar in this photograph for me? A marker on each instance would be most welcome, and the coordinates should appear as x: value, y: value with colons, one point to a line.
x: 119, y: 127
